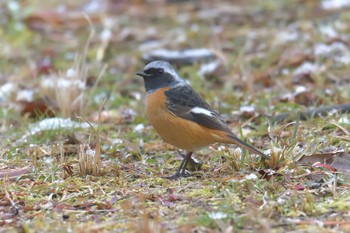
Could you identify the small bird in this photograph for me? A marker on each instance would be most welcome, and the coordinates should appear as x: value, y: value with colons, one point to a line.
x: 181, y: 117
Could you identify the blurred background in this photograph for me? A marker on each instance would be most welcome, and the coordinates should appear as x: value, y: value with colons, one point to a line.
x: 294, y: 51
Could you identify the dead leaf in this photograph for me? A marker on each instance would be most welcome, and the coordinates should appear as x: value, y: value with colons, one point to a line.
x: 294, y: 57
x: 299, y: 187
x: 337, y: 160
x: 328, y: 167
x: 51, y: 20
x: 37, y: 108
x: 12, y: 174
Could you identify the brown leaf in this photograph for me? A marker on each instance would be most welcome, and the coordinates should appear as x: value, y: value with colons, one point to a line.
x: 264, y: 77
x: 36, y: 108
x: 294, y: 57
x: 13, y: 173
x: 303, y: 78
x: 48, y: 20
x: 299, y: 187
x: 339, y: 160
x: 328, y: 167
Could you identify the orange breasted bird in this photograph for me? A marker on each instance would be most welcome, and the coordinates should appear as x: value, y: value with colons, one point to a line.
x: 181, y: 117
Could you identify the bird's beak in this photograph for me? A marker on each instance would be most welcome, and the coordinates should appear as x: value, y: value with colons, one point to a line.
x: 142, y: 74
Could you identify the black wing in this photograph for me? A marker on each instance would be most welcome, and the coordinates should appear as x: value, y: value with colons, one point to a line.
x: 182, y: 100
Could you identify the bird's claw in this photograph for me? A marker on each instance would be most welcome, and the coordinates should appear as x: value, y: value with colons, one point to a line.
x: 179, y: 175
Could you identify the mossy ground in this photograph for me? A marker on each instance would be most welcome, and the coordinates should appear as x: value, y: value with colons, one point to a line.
x: 278, y: 56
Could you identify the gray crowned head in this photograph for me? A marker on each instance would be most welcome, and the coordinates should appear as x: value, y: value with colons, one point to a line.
x: 159, y: 74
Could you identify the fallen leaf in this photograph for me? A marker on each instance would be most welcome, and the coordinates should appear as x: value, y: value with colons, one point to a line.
x: 12, y: 174
x: 328, y: 167
x: 49, y: 20
x: 37, y: 108
x: 333, y: 161
x: 299, y: 187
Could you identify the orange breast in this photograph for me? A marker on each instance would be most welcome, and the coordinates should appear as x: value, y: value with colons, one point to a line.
x: 177, y: 131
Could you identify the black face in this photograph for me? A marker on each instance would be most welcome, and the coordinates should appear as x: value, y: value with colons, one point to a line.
x: 156, y: 78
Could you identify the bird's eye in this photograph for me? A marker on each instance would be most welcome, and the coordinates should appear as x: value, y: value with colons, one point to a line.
x: 160, y: 71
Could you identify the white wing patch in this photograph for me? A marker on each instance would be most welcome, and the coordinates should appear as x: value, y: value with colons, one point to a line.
x: 198, y: 110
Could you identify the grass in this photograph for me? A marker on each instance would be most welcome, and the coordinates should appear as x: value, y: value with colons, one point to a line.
x: 46, y: 186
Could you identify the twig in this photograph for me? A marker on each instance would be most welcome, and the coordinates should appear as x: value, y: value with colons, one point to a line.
x: 321, y: 111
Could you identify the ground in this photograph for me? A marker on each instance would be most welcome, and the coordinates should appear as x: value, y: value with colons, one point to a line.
x: 77, y: 153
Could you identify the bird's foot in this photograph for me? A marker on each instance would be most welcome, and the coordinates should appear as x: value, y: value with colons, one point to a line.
x: 179, y: 175
x: 193, y: 164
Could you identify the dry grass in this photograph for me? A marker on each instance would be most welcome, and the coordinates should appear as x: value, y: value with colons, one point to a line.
x: 89, y: 160
x: 275, y: 57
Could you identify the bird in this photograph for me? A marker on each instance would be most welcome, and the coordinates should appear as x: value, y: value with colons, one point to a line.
x: 181, y: 117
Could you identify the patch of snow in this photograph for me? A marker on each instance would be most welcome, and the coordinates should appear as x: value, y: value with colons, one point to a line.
x: 209, y: 67
x: 117, y: 141
x: 329, y: 31
x: 237, y: 151
x: 322, y: 49
x: 247, y: 108
x: 281, y: 201
x: 48, y: 160
x: 344, y: 59
x: 300, y: 89
x: 13, y: 6
x: 188, y: 53
x: 217, y: 215
x: 344, y: 120
x: 25, y: 95
x: 287, y: 96
x: 221, y: 148
x: 337, y: 51
x: 6, y: 90
x: 94, y: 6
x: 53, y: 124
x: 141, y: 143
x: 71, y: 73
x: 334, y: 4
x: 328, y: 92
x: 286, y: 36
x: 251, y: 176
x: 306, y: 68
x: 106, y: 35
x: 90, y: 152
x: 63, y: 83
x: 285, y: 71
x: 139, y: 128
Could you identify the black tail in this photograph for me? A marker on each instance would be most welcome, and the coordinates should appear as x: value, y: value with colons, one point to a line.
x: 247, y: 146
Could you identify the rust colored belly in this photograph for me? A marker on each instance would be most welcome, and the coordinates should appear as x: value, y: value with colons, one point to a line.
x: 181, y: 133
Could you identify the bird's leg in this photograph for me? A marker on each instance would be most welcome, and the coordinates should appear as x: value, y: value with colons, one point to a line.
x: 181, y: 171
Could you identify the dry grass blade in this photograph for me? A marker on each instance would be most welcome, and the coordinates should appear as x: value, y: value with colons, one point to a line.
x: 89, y: 161
x: 275, y: 156
x: 280, y: 67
